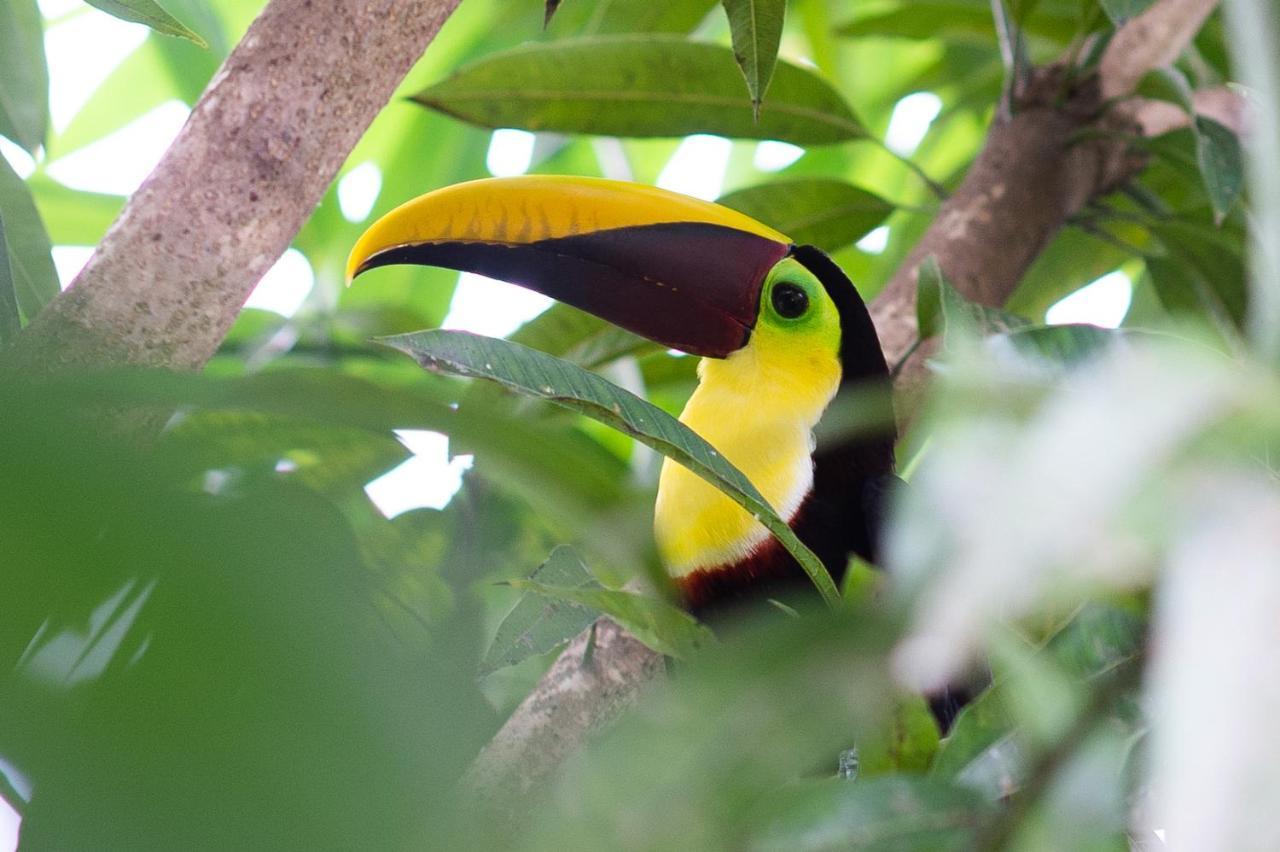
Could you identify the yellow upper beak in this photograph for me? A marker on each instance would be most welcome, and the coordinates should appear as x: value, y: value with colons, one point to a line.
x: 530, y: 209
x: 683, y: 272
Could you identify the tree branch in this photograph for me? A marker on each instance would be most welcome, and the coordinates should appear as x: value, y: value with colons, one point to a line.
x: 581, y: 693
x: 1030, y: 178
x: 256, y: 156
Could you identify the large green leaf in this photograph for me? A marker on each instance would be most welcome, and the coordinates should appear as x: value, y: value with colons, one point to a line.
x: 1202, y: 271
x: 829, y: 214
x: 612, y: 17
x: 537, y: 624
x: 74, y: 217
x: 210, y: 652
x: 567, y: 476
x: 24, y: 76
x: 979, y: 751
x: 1221, y: 163
x: 1058, y: 347
x: 539, y: 375
x: 150, y: 13
x: 955, y: 20
x: 639, y: 86
x: 580, y: 337
x: 756, y: 27
x: 34, y: 279
x: 662, y: 626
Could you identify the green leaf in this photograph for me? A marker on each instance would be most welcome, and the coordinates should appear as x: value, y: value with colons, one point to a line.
x: 74, y: 217
x: 954, y: 21
x: 1120, y: 11
x: 1202, y: 272
x: 35, y: 281
x: 246, y: 632
x: 543, y: 376
x: 909, y: 744
x: 1060, y: 345
x: 829, y: 214
x: 150, y: 13
x: 929, y: 284
x: 756, y: 27
x: 613, y: 17
x: 586, y: 340
x: 10, y: 319
x: 980, y: 751
x: 649, y: 85
x: 664, y: 627
x: 938, y: 301
x: 902, y: 813
x: 537, y: 624
x: 1221, y: 164
x: 24, y: 75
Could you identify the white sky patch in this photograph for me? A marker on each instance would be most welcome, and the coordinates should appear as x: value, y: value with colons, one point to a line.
x: 82, y: 51
x: 875, y: 241
x: 495, y: 308
x: 510, y: 152
x: 69, y: 260
x: 285, y: 286
x: 774, y: 156
x: 19, y: 159
x: 1102, y: 303
x: 910, y: 121
x: 697, y: 167
x: 58, y: 8
x: 118, y: 163
x: 358, y: 192
x: 428, y: 480
x: 612, y: 158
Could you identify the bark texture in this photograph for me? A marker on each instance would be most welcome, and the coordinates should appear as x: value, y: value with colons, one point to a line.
x: 578, y: 696
x: 1033, y: 174
x: 253, y: 160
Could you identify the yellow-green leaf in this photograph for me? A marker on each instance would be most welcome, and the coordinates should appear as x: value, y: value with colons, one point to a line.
x: 649, y: 85
x: 150, y: 13
x: 756, y: 27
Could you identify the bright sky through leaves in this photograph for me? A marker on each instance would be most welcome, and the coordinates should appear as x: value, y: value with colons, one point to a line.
x: 910, y: 121
x: 510, y: 152
x: 1103, y: 303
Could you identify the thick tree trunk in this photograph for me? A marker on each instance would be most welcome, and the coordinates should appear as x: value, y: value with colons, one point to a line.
x: 252, y: 162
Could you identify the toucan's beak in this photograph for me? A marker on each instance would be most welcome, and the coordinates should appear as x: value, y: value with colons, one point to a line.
x: 682, y: 272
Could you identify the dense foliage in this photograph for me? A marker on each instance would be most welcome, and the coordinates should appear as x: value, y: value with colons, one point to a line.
x: 216, y: 639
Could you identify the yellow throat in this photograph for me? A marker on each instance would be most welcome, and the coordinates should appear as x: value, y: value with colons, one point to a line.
x: 758, y: 408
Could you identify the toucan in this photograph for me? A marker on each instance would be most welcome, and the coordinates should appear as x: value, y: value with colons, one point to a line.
x: 780, y: 328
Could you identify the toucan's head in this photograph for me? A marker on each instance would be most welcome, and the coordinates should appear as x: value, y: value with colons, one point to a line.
x: 685, y: 273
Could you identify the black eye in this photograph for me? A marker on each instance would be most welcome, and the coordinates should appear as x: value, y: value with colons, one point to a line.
x: 790, y: 300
